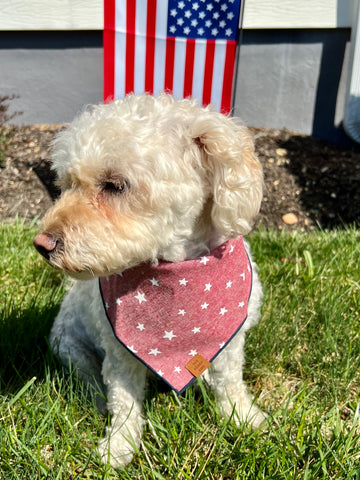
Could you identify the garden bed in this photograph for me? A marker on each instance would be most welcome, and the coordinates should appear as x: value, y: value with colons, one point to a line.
x: 315, y: 182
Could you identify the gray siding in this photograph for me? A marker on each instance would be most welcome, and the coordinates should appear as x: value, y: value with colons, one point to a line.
x: 286, y: 78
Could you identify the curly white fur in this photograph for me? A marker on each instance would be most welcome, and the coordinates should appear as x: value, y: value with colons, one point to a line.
x: 145, y: 179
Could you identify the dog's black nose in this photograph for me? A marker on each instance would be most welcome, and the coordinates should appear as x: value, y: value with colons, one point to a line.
x: 45, y: 244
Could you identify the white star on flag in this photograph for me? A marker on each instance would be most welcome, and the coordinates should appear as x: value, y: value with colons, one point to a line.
x: 140, y: 326
x: 118, y: 301
x: 177, y: 370
x: 106, y: 305
x: 222, y: 344
x: 160, y: 373
x: 231, y: 249
x: 204, y: 306
x: 241, y: 304
x: 207, y: 287
x: 170, y: 335
x: 183, y: 282
x: 222, y: 311
x: 242, y: 275
x: 154, y: 351
x: 204, y: 260
x: 193, y: 353
x: 154, y: 282
x: 181, y: 312
x: 196, y: 330
x: 140, y: 297
x: 228, y: 284
x: 131, y: 348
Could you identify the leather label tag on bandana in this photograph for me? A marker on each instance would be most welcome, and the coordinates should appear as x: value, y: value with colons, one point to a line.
x: 177, y: 317
x: 197, y: 365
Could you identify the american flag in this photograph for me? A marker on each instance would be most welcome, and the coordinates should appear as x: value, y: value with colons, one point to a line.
x: 186, y: 47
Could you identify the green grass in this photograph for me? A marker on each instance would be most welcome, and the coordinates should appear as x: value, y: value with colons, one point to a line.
x: 303, y: 363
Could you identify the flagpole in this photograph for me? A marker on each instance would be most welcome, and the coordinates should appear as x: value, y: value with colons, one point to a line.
x: 237, y: 59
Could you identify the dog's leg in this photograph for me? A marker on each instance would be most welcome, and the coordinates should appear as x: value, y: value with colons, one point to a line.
x: 80, y: 337
x: 125, y: 379
x: 70, y: 341
x: 226, y: 372
x: 226, y: 379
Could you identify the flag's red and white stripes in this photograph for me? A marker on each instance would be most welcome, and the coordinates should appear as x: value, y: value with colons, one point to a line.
x: 140, y: 56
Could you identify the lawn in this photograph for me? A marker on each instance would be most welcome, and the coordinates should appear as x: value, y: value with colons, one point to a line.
x: 303, y: 365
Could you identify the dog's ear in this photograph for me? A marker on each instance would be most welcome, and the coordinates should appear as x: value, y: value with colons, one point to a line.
x: 233, y: 169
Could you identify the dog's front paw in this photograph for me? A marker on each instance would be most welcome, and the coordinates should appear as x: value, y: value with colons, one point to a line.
x: 116, y: 451
x: 253, y: 416
x: 244, y: 410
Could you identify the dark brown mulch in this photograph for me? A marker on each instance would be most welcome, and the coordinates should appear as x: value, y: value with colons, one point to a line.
x: 315, y: 181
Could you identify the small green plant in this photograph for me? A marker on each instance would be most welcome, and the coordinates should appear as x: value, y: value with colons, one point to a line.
x: 5, y: 117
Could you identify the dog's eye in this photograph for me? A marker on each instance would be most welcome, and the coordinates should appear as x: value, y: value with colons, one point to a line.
x: 114, y: 186
x: 111, y: 187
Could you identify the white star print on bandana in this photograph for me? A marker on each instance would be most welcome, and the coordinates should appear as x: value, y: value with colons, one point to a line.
x: 171, y: 313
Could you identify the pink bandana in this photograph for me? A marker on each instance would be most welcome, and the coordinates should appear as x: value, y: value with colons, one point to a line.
x: 177, y: 317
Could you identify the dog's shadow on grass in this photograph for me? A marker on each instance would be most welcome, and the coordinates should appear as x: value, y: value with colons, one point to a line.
x: 24, y: 348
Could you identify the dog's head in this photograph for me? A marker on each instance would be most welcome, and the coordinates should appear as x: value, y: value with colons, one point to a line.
x: 148, y: 178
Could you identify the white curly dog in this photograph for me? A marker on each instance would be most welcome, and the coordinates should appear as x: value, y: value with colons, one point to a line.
x: 146, y: 180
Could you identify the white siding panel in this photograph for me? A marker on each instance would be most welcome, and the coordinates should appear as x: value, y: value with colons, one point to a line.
x: 88, y: 14
x: 51, y: 15
x: 297, y: 13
